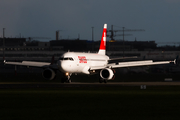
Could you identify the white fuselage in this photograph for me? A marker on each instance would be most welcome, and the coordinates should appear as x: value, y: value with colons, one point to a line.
x: 76, y: 62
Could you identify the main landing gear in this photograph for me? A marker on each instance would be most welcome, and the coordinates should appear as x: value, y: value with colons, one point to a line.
x: 102, y: 80
x: 66, y: 78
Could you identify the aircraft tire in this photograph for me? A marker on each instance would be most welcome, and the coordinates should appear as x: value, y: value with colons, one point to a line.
x: 69, y: 81
x: 105, y: 81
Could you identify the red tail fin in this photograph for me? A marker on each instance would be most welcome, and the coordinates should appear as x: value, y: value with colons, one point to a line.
x: 102, y: 48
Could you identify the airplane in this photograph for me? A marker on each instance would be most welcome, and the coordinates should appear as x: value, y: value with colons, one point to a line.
x: 85, y: 63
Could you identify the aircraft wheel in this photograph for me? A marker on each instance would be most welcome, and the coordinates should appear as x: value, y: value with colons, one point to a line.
x: 69, y: 81
x: 105, y: 81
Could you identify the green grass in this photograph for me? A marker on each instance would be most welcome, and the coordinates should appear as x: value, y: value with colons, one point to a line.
x: 104, y: 103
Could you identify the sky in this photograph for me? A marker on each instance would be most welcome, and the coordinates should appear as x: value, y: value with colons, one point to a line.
x: 42, y: 18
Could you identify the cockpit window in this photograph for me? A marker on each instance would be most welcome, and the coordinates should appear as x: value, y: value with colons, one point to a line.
x: 66, y: 58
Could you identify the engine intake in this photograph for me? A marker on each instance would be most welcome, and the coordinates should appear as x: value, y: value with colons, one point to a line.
x: 107, y: 74
x: 49, y: 74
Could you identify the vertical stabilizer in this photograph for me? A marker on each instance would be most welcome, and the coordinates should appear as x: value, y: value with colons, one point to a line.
x: 102, y: 48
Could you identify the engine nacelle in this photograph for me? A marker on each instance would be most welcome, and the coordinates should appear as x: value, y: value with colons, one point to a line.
x: 107, y: 74
x: 49, y: 74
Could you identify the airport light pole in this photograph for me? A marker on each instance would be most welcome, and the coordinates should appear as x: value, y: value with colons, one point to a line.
x: 3, y: 43
x: 123, y: 42
x: 92, y: 38
x: 92, y: 33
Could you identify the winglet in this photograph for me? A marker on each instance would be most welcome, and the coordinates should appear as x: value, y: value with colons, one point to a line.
x: 176, y: 60
x: 4, y: 62
x: 102, y: 48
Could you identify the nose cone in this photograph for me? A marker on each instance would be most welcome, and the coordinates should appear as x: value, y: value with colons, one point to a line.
x: 60, y: 65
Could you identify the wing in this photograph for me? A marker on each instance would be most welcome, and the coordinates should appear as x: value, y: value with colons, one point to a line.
x: 33, y: 64
x: 131, y: 64
x: 28, y: 63
x: 136, y: 63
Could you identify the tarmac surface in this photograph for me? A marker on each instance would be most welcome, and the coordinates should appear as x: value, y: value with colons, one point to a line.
x: 4, y: 85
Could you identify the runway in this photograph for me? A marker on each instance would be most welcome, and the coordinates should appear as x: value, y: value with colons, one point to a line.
x: 78, y: 84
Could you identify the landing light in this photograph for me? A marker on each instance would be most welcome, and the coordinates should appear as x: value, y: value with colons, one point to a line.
x: 67, y: 74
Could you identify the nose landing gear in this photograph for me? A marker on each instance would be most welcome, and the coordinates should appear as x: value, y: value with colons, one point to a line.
x: 66, y: 78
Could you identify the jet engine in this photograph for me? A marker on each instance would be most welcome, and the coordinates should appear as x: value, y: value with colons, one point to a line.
x: 107, y: 74
x: 49, y: 74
